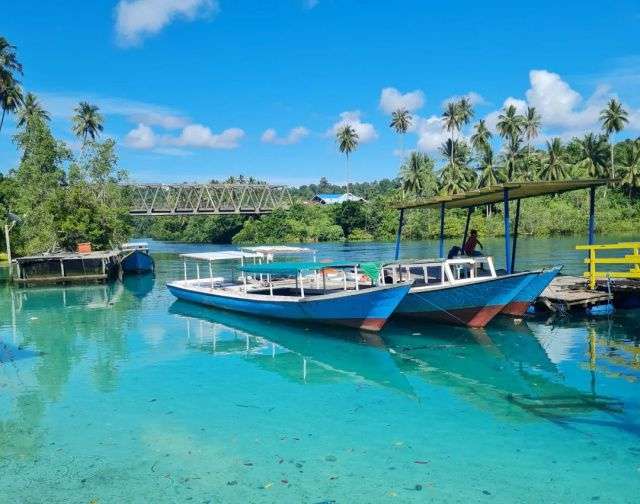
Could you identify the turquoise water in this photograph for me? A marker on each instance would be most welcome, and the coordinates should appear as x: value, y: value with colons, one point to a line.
x: 121, y: 394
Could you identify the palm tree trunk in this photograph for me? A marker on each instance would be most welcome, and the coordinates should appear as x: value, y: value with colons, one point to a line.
x: 2, y: 120
x: 348, y: 177
x: 613, y: 170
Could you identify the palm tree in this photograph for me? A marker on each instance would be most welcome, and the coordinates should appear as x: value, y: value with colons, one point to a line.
x: 593, y: 154
x: 531, y: 126
x: 9, y: 63
x: 347, y: 140
x: 31, y: 108
x: 554, y: 168
x: 452, y: 122
x: 400, y: 122
x: 456, y: 176
x: 465, y: 110
x: 510, y: 123
x: 631, y: 165
x: 481, y: 137
x: 10, y: 92
x: 513, y: 157
x: 414, y: 174
x: 87, y: 122
x: 489, y: 174
x: 10, y: 97
x: 613, y: 118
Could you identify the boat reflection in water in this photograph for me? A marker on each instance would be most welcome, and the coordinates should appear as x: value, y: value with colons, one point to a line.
x: 139, y: 285
x: 315, y: 354
x: 503, y: 370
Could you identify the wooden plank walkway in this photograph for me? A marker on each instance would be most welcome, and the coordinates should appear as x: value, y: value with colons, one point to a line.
x: 569, y: 291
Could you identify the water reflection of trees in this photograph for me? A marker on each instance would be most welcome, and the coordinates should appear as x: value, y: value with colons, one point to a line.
x: 66, y: 327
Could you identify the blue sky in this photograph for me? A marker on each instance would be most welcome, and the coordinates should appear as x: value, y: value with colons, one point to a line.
x: 192, y: 89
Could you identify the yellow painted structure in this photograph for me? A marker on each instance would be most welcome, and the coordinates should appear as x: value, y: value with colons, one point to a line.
x: 631, y: 259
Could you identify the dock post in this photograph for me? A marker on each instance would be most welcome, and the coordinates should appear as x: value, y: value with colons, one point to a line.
x: 507, y: 231
x: 466, y: 228
x: 441, y: 230
x: 399, y: 235
x: 592, y: 214
x: 515, y: 236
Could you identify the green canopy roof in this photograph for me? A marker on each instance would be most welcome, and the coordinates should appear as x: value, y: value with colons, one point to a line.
x: 371, y: 269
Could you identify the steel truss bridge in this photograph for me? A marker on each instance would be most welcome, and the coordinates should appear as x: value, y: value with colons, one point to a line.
x: 207, y: 199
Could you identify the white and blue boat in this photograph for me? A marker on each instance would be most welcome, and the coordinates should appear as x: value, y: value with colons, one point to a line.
x: 135, y: 258
x: 323, y: 295
x: 463, y: 291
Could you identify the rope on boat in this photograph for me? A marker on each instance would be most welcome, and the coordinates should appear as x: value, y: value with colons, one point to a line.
x: 440, y: 308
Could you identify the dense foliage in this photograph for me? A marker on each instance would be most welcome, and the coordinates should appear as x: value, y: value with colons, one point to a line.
x: 54, y: 198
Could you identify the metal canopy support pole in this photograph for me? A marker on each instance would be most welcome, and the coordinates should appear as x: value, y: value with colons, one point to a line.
x: 592, y: 215
x: 507, y: 232
x: 515, y: 237
x: 211, y: 274
x: 442, y: 230
x: 184, y: 264
x: 466, y: 227
x: 301, y: 284
x: 399, y: 235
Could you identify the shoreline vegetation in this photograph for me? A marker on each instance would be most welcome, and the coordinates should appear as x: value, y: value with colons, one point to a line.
x: 57, y: 197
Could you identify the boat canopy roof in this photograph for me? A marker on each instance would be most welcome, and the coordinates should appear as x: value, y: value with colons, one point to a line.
x: 220, y: 255
x: 293, y: 267
x: 495, y: 194
x: 278, y: 249
x: 371, y: 269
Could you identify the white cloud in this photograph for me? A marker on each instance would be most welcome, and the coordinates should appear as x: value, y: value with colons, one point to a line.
x: 431, y: 134
x: 391, y: 99
x: 366, y: 132
x: 294, y: 136
x: 141, y: 137
x: 137, y: 19
x: 560, y: 105
x: 476, y: 99
x: 62, y: 105
x: 197, y: 135
x: 193, y: 135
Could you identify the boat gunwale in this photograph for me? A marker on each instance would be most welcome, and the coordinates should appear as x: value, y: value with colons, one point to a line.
x: 248, y: 296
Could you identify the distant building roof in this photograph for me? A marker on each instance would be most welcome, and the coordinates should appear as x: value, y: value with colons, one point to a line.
x: 330, y: 199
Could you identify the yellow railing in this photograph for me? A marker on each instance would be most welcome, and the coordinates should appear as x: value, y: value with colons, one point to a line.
x: 632, y: 259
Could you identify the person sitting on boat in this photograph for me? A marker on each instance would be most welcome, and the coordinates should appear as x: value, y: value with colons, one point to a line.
x: 469, y: 248
x: 454, y: 252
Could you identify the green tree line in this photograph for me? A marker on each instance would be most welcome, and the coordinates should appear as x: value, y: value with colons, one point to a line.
x: 57, y: 197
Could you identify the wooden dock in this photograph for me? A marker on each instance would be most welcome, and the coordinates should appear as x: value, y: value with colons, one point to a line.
x: 67, y: 267
x: 569, y: 292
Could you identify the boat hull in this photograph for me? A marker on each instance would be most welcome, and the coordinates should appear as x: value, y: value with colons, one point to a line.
x: 472, y: 304
x: 530, y: 291
x: 137, y: 262
x: 367, y: 309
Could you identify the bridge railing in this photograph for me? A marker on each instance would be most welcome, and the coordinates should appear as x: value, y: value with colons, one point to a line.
x: 207, y: 199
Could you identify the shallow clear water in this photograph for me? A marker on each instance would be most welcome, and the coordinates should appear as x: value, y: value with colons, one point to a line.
x: 121, y: 394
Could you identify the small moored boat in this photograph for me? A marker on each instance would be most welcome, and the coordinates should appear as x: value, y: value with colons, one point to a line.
x: 135, y: 258
x: 312, y: 298
x: 461, y: 291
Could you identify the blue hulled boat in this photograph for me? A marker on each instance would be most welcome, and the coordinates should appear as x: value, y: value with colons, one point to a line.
x: 530, y: 291
x: 455, y: 291
x: 324, y: 296
x: 136, y: 258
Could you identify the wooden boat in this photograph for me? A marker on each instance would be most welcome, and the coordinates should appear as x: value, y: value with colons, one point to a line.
x: 135, y: 258
x: 455, y: 291
x: 529, y: 291
x: 364, y: 307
